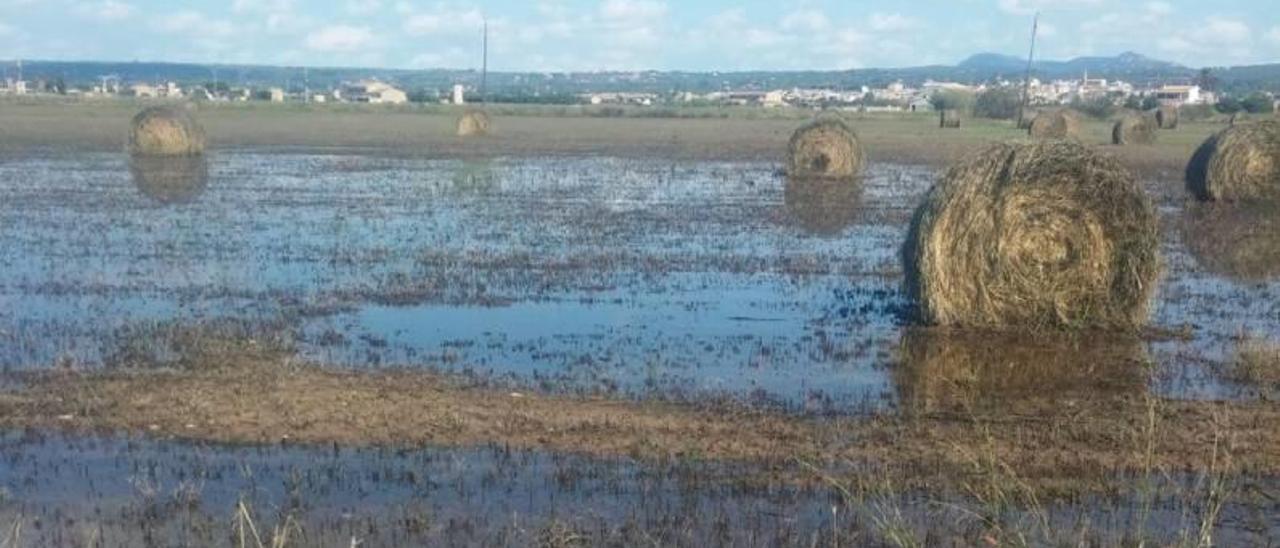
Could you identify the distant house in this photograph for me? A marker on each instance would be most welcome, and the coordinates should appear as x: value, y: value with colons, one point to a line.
x: 920, y: 104
x: 276, y: 95
x: 459, y: 94
x: 1179, y: 95
x: 144, y: 91
x: 373, y: 92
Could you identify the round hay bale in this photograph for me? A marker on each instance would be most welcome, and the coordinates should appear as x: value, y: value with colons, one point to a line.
x: 1134, y: 129
x: 823, y: 206
x: 166, y: 131
x: 1236, y: 241
x: 949, y: 119
x: 826, y: 147
x: 1034, y: 234
x: 170, y: 179
x: 1055, y: 124
x: 1026, y: 117
x: 473, y: 123
x: 1239, y: 163
x: 1167, y: 117
x: 941, y: 370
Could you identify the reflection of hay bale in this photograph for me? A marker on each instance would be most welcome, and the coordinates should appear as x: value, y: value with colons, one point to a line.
x: 473, y: 123
x: 1055, y: 124
x: 948, y: 370
x: 1241, y: 242
x: 170, y: 180
x: 1167, y: 117
x: 165, y: 131
x: 1034, y: 234
x: 822, y: 205
x: 1239, y: 163
x: 1134, y: 129
x: 949, y: 119
x: 826, y: 147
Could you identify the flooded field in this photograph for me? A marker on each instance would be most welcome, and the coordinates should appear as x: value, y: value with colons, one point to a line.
x: 646, y: 278
x: 627, y: 351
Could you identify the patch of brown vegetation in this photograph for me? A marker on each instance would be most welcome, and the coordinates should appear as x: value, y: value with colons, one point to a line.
x: 1061, y: 446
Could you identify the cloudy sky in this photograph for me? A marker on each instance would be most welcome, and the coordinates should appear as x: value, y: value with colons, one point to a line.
x: 555, y: 35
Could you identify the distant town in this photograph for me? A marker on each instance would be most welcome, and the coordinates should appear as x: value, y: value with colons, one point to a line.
x: 897, y: 95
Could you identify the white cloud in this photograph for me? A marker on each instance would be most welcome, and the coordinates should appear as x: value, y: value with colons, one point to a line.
x: 1026, y: 7
x: 363, y: 7
x: 1227, y: 31
x: 1159, y: 8
x: 1274, y: 35
x: 193, y: 23
x: 632, y: 10
x: 443, y: 21
x: 104, y: 10
x: 340, y: 39
x: 806, y: 21
x: 891, y: 22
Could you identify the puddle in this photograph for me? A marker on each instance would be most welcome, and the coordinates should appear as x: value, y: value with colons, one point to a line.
x: 640, y: 277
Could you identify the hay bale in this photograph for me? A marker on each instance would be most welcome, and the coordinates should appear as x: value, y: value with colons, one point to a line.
x: 1026, y: 117
x: 949, y: 119
x: 1239, y: 163
x: 1236, y: 241
x: 1055, y: 124
x: 166, y: 131
x: 826, y: 147
x: 942, y: 370
x: 170, y: 179
x: 1034, y: 234
x: 823, y: 206
x: 1167, y: 117
x: 1134, y: 129
x: 473, y: 123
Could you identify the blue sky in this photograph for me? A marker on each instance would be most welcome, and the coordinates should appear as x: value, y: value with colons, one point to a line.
x: 556, y: 35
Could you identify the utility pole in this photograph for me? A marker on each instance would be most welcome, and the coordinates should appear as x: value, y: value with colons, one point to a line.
x: 1026, y: 80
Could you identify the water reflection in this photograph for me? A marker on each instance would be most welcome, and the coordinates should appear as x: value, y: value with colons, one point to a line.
x: 823, y: 206
x: 952, y: 370
x: 1236, y: 241
x: 474, y: 177
x: 170, y: 180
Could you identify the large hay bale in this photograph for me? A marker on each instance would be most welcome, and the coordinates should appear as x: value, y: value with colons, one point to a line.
x: 1034, y: 234
x: 473, y: 123
x: 826, y: 147
x: 1241, y: 162
x: 949, y: 119
x: 170, y: 179
x: 945, y: 370
x: 1167, y: 117
x: 1055, y: 124
x: 823, y: 206
x: 1134, y: 129
x: 1236, y: 241
x: 166, y: 131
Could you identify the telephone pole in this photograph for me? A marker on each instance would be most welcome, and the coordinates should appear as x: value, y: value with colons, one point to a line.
x: 1026, y: 79
x: 484, y: 67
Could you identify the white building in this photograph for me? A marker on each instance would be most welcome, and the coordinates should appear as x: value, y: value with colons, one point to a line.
x: 459, y: 94
x: 276, y: 95
x: 1179, y: 95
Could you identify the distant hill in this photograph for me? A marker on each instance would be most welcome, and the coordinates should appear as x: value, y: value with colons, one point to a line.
x: 984, y: 67
x: 1127, y: 65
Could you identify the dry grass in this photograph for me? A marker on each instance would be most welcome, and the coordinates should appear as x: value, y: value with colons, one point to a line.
x: 1134, y: 129
x: 1055, y: 124
x: 1257, y: 362
x: 166, y: 131
x: 1167, y: 117
x: 826, y: 147
x: 1045, y: 234
x: 473, y: 123
x: 1240, y: 163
